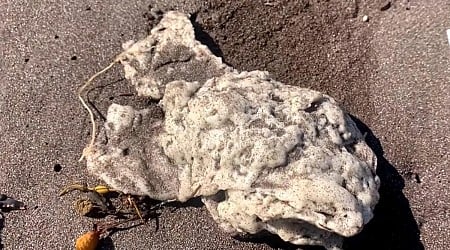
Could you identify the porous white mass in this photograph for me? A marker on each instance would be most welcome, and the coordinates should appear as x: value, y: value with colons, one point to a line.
x: 262, y: 155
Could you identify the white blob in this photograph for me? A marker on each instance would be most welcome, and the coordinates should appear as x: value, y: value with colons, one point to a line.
x: 261, y: 154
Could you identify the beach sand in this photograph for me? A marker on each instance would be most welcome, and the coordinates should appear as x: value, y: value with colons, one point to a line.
x: 392, y: 73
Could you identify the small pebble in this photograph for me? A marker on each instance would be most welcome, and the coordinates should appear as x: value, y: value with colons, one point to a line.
x: 365, y: 18
x: 386, y: 6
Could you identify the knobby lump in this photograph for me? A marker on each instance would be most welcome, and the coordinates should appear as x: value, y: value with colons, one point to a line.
x: 262, y: 155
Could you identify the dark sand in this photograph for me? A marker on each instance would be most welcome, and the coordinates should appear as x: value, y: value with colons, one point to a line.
x: 392, y: 73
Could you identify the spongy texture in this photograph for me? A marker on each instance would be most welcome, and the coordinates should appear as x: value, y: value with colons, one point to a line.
x: 128, y: 157
x: 169, y: 53
x: 261, y: 154
x: 274, y: 154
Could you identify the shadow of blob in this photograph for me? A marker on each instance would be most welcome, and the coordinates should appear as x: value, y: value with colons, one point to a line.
x: 194, y: 202
x: 205, y: 38
x: 393, y: 225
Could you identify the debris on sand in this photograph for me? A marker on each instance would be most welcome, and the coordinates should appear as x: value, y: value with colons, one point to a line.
x: 8, y: 203
x: 365, y: 18
x: 386, y: 6
x: 102, y: 202
x: 262, y: 155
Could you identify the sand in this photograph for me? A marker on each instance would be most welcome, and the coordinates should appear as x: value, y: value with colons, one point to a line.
x: 392, y: 73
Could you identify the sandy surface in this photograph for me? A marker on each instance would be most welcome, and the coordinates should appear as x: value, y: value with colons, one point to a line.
x: 392, y: 73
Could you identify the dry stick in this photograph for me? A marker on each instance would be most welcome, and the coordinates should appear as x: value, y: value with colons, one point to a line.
x: 91, y: 114
x: 102, y: 228
x: 106, y: 227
